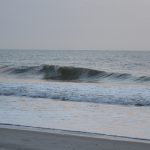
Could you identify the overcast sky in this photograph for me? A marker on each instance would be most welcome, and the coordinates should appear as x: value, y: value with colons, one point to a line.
x: 75, y: 24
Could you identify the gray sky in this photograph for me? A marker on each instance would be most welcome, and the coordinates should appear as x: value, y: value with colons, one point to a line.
x: 75, y: 24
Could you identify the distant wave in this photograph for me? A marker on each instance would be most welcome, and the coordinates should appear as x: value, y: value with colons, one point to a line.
x: 68, y: 73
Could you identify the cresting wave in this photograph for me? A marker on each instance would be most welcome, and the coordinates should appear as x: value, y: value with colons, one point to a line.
x: 68, y: 73
x: 79, y: 92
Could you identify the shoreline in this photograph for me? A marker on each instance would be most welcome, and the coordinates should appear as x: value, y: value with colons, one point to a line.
x: 24, y: 137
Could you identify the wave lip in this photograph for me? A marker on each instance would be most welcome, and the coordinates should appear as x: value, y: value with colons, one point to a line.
x: 69, y: 73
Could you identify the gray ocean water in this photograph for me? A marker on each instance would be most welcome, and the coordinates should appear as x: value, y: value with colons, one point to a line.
x: 109, y: 77
x: 106, y: 92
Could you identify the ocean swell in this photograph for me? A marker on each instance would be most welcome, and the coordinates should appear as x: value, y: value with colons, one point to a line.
x: 68, y: 73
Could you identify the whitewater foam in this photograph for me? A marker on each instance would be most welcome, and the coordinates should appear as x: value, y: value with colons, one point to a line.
x: 80, y: 92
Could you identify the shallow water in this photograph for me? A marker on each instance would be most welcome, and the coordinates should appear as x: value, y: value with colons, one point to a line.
x: 86, y: 117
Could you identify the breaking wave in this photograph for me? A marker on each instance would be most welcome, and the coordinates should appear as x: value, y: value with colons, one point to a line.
x: 68, y: 73
x: 79, y: 92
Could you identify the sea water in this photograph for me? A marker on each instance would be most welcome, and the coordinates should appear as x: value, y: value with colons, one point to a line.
x: 105, y: 92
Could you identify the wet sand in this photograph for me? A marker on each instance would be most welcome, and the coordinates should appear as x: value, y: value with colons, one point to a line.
x: 30, y: 138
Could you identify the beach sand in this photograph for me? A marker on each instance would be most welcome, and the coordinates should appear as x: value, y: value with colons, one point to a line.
x: 30, y: 138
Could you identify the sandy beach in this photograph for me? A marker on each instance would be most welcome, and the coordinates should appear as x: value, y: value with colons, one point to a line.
x: 74, y: 75
x: 28, y: 138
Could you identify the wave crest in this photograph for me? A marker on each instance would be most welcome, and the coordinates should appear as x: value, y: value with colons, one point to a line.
x: 68, y: 73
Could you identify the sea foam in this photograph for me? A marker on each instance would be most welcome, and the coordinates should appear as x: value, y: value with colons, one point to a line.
x: 79, y: 92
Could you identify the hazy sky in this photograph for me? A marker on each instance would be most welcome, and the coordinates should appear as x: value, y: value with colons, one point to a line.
x: 75, y: 24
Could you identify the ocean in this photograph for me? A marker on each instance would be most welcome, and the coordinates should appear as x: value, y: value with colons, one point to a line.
x: 105, y: 92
